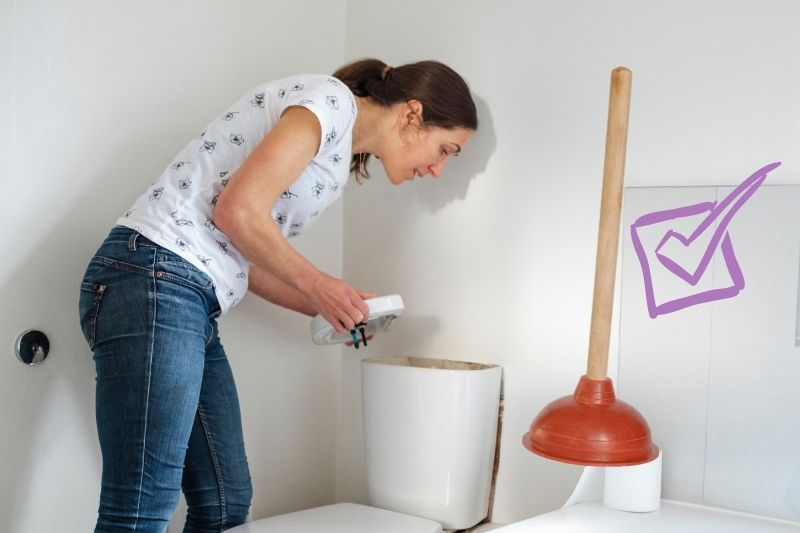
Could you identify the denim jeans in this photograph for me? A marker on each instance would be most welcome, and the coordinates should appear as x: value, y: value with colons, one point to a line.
x: 166, y: 404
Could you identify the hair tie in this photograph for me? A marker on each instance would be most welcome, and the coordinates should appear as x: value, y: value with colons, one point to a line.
x: 386, y: 70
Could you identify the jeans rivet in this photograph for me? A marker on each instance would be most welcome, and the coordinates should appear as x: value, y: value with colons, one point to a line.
x: 159, y: 274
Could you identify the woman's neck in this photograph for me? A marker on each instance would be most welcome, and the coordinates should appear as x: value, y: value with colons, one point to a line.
x: 372, y: 121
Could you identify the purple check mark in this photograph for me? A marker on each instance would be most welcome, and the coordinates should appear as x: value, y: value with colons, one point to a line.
x: 709, y: 235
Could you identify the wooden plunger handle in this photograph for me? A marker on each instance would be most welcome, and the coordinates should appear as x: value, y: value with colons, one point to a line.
x: 608, y: 234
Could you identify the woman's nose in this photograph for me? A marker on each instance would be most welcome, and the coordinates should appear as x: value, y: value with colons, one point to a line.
x: 436, y: 169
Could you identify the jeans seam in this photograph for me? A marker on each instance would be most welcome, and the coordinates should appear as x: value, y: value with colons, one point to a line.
x: 95, y: 312
x: 97, y: 290
x: 147, y: 401
x: 210, y: 335
x: 215, y: 461
x: 174, y: 278
x: 122, y: 265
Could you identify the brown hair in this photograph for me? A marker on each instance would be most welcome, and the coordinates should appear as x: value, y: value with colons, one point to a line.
x: 445, y: 97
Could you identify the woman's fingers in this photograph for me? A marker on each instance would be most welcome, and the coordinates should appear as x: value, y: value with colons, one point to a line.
x: 338, y: 303
x: 365, y: 295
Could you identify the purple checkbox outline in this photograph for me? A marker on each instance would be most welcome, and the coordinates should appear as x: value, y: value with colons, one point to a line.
x: 722, y: 212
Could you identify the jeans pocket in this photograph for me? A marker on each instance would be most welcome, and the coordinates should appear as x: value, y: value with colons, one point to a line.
x: 174, y: 268
x: 89, y: 308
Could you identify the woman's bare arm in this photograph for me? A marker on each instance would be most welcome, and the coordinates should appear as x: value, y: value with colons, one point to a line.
x: 243, y: 213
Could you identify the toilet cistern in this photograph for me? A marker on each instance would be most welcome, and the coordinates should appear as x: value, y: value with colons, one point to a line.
x: 383, y: 311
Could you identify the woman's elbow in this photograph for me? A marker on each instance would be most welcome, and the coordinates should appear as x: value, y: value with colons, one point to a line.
x: 229, y: 217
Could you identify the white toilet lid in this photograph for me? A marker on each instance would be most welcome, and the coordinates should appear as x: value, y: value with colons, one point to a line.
x: 341, y: 518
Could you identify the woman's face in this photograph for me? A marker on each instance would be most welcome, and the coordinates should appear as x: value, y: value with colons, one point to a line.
x: 421, y: 151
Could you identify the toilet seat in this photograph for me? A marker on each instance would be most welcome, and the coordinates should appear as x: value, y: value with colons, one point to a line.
x: 341, y: 518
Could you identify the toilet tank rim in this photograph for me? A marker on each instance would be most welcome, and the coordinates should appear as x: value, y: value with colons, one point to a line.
x: 428, y: 363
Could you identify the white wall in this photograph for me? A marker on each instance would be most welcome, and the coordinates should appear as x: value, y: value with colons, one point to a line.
x: 95, y: 99
x: 495, y: 260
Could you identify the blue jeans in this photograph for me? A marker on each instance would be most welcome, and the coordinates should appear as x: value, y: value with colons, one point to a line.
x: 166, y: 404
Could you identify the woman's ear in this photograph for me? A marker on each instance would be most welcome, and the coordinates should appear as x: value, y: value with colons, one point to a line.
x: 413, y: 112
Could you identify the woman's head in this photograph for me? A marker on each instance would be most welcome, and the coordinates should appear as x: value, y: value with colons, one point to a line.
x: 435, y: 100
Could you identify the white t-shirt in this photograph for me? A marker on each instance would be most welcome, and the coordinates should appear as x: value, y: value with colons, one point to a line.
x: 176, y: 212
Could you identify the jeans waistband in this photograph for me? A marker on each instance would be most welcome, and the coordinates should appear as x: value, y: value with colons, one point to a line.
x: 128, y: 249
x: 130, y: 236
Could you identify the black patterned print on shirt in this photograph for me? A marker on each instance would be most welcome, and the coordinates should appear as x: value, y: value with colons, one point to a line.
x: 332, y: 102
x: 335, y: 158
x: 298, y: 87
x: 237, y: 139
x: 306, y: 101
x: 214, y: 200
x: 208, y: 147
x: 258, y: 100
x: 178, y: 164
x: 330, y: 137
x: 210, y: 224
x: 203, y: 259
x: 223, y: 247
x: 184, y: 184
x: 317, y: 190
x: 156, y: 194
x: 241, y: 275
x: 182, y: 245
x: 281, y: 219
x: 288, y: 194
x: 281, y: 93
x: 230, y: 115
x: 334, y: 82
x: 181, y: 221
x: 128, y: 213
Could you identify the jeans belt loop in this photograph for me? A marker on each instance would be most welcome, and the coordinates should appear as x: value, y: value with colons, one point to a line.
x: 132, y: 241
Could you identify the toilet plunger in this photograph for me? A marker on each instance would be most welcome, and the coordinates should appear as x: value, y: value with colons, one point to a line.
x: 592, y: 427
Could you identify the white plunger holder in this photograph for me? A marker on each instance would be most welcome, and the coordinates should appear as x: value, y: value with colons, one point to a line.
x: 383, y: 311
x: 634, y: 488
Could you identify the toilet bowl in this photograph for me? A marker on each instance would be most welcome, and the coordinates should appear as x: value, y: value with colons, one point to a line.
x: 430, y: 427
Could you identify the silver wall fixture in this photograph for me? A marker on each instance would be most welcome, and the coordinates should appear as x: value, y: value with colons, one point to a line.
x: 32, y: 347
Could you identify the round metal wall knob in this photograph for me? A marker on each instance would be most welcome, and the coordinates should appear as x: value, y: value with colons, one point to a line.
x: 32, y: 347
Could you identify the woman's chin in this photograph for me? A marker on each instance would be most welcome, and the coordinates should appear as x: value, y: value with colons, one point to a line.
x: 398, y: 180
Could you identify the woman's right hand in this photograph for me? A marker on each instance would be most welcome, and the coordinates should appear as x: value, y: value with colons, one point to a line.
x: 339, y: 303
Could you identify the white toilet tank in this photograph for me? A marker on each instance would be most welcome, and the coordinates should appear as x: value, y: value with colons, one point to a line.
x: 430, y: 427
